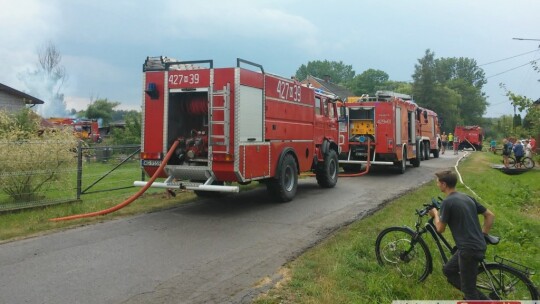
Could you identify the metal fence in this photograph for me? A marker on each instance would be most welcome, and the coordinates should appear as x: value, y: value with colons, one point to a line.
x: 94, y: 173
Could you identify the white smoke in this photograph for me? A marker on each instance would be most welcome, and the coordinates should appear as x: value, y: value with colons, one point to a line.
x: 46, y: 82
x: 47, y: 88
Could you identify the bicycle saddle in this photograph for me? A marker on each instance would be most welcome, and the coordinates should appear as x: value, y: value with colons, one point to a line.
x: 492, y: 240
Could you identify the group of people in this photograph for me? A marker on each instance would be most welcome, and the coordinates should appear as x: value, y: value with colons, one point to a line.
x: 449, y: 142
x: 520, y: 150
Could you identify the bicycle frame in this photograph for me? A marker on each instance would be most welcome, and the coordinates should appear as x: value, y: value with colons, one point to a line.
x: 439, y: 239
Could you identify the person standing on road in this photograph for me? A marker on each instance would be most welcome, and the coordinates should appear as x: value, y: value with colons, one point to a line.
x: 460, y: 212
x: 444, y: 140
x: 450, y: 140
x: 533, y: 144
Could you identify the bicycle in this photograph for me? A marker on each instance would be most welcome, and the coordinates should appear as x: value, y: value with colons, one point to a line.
x: 525, y: 162
x: 406, y: 249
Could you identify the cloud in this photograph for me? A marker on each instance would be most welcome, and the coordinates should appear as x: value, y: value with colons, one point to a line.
x: 23, y: 23
x: 225, y: 21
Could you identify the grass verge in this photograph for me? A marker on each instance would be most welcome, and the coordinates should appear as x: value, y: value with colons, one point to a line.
x: 343, y: 268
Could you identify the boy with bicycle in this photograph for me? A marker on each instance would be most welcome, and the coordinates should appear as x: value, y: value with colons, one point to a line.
x: 460, y: 212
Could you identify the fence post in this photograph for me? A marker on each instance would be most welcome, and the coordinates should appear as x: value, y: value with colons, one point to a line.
x: 79, y: 169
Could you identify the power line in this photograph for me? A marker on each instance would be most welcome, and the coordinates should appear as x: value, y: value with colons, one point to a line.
x: 530, y: 62
x: 508, y: 58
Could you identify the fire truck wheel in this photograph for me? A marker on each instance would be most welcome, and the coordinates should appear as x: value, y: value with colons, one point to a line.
x: 327, y: 172
x: 402, y: 165
x: 426, y: 151
x: 283, y: 187
x: 436, y: 152
x: 422, y: 151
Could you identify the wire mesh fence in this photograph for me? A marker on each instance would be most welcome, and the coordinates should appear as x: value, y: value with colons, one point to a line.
x: 35, y: 175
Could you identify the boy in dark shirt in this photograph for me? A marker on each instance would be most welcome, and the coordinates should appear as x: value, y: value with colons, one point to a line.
x: 460, y: 213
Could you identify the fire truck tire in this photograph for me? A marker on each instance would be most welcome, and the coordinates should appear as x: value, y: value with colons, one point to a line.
x: 422, y: 151
x: 426, y: 151
x: 283, y: 187
x: 415, y: 162
x: 328, y: 171
x: 402, y: 165
x: 436, y: 152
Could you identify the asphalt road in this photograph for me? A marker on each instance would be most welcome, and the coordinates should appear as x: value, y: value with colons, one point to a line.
x: 207, y: 251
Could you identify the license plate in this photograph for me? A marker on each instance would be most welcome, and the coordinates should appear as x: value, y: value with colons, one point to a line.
x: 151, y: 163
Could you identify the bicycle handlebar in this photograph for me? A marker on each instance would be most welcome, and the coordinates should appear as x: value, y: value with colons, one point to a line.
x: 434, y: 204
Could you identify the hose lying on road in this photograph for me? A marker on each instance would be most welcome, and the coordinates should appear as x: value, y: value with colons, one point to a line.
x: 129, y: 200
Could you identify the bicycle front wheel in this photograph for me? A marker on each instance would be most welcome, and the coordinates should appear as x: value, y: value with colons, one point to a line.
x: 500, y: 282
x: 399, y: 247
x: 511, y: 162
x: 527, y: 162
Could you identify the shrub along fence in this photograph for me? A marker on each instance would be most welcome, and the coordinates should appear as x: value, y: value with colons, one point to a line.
x: 42, y: 179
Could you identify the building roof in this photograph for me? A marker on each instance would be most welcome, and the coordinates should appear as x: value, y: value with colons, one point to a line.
x: 25, y: 97
x: 329, y: 86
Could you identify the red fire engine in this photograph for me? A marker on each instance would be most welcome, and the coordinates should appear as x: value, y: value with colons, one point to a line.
x: 388, y: 121
x: 235, y: 125
x: 83, y: 128
x: 469, y: 137
x: 428, y: 133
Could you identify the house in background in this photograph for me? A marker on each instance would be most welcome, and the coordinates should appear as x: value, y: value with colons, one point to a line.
x: 328, y: 86
x: 12, y: 100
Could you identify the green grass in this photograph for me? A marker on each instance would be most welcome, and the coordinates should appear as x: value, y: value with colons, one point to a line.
x: 343, y: 268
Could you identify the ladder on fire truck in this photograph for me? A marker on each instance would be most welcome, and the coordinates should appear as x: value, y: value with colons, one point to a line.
x: 220, y: 139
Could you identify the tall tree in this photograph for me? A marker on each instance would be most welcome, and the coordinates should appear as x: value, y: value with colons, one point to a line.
x: 338, y: 72
x: 424, y: 78
x: 369, y: 82
x: 459, y: 77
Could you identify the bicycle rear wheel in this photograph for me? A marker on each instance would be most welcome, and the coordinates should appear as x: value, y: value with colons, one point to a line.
x: 527, y: 162
x: 500, y: 282
x: 400, y: 248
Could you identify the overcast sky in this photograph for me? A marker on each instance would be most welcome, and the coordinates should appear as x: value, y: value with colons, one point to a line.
x: 104, y: 43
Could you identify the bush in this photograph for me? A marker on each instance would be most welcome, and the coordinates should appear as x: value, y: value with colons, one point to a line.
x: 33, y: 158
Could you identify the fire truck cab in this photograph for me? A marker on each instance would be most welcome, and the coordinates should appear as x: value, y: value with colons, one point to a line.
x: 235, y: 125
x: 387, y: 122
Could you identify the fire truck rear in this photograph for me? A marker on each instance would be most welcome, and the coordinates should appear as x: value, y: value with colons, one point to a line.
x: 235, y: 125
x: 428, y: 133
x: 387, y: 121
x: 469, y: 137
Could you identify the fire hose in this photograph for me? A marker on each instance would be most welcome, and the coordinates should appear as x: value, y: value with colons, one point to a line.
x: 367, y: 165
x: 130, y: 199
x: 359, y: 173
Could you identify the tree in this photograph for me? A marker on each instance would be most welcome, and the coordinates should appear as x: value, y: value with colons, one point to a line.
x: 424, y: 78
x: 131, y: 134
x: 34, y: 158
x: 337, y: 71
x: 101, y: 108
x: 459, y: 77
x: 522, y: 103
x: 369, y: 82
